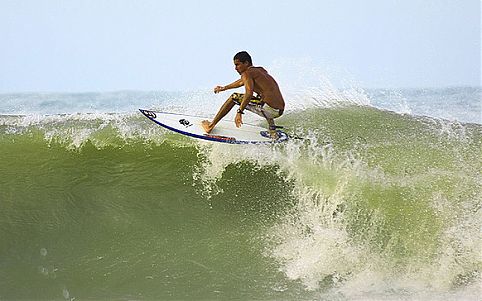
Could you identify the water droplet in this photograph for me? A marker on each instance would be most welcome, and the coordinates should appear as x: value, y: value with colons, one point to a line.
x: 44, y: 271
x: 66, y: 294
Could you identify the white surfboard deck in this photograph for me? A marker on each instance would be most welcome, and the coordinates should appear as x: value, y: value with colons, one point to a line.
x: 225, y: 131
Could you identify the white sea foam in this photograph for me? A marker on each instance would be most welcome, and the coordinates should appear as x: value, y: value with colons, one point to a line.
x: 312, y: 243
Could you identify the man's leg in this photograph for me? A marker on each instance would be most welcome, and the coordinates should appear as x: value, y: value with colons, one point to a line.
x: 272, y: 128
x: 270, y: 114
x: 225, y: 108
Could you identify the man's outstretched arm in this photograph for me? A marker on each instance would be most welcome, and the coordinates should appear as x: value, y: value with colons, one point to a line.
x: 233, y: 85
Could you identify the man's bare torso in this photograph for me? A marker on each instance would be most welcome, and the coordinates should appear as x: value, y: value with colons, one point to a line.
x: 266, y: 87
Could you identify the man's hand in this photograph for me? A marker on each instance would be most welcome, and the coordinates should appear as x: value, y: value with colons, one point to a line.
x: 238, y: 120
x: 218, y: 89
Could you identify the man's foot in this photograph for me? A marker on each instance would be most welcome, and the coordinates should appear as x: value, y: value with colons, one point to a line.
x: 274, y: 134
x: 207, y: 126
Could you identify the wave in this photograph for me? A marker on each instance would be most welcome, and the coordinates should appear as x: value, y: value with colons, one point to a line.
x: 366, y: 204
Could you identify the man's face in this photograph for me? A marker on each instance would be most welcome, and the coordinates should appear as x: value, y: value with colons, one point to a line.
x: 240, y: 66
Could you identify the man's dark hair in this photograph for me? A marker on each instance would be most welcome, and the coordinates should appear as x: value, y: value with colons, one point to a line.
x: 243, y: 57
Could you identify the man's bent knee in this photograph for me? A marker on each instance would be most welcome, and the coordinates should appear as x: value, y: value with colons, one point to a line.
x: 236, y: 98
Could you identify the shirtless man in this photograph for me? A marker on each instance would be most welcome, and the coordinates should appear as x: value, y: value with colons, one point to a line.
x: 268, y: 103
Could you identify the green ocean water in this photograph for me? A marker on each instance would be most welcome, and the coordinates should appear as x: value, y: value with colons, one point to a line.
x: 368, y: 205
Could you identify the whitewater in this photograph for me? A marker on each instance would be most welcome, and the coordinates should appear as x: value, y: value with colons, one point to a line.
x: 379, y: 198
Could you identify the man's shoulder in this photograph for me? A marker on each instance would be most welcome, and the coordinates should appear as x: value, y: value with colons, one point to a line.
x: 255, y: 70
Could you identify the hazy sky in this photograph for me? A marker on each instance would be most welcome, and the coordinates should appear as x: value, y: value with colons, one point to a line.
x: 105, y: 45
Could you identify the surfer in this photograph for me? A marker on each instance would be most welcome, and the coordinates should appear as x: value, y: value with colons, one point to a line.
x: 268, y: 101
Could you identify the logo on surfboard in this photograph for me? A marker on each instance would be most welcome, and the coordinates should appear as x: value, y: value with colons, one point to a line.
x: 185, y: 122
x: 149, y: 114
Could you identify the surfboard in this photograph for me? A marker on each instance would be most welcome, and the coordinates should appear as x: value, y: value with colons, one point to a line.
x: 225, y: 131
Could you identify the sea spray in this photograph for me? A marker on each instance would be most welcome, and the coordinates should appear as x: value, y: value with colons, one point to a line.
x: 357, y: 214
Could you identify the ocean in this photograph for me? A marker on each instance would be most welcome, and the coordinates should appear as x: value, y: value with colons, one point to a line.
x: 377, y: 197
